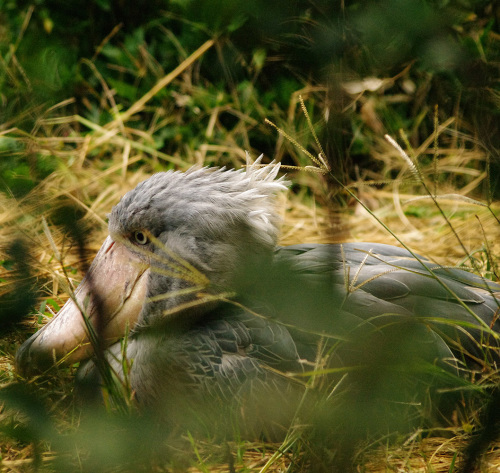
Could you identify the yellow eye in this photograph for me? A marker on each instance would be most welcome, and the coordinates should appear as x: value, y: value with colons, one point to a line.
x: 140, y: 238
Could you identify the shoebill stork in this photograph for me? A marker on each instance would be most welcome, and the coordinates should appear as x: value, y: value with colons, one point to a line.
x: 216, y: 314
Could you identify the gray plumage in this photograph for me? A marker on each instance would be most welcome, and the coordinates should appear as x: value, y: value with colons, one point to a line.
x: 209, y: 237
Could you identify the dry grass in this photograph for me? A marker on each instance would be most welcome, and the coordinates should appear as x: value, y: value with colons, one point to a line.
x: 97, y: 165
x: 431, y: 455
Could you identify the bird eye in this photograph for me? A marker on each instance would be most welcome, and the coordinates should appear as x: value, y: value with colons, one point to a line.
x: 140, y: 237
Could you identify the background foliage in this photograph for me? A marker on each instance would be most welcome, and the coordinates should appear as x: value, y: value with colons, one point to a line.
x: 428, y: 53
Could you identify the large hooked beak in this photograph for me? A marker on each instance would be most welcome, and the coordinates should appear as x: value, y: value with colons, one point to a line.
x: 111, y: 296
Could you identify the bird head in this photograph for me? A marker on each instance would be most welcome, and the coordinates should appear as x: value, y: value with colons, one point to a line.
x: 177, y: 243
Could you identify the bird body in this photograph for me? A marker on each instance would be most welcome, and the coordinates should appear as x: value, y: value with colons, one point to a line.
x: 220, y: 316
